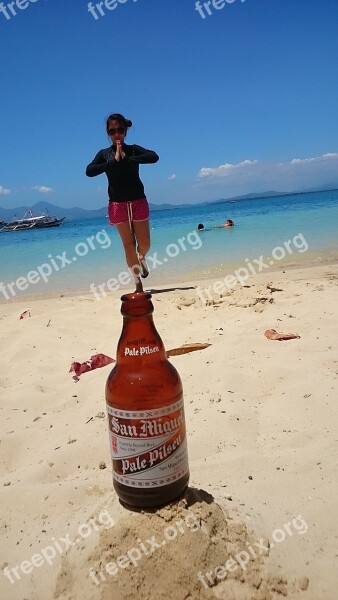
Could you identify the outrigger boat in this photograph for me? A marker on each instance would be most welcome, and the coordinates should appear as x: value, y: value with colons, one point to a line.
x: 39, y: 222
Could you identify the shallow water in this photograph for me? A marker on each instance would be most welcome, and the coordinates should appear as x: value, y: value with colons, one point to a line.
x: 296, y: 229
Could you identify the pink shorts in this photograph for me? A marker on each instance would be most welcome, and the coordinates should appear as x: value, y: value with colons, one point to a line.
x: 124, y: 212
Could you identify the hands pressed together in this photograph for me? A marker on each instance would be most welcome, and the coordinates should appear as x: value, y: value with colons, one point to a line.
x: 119, y: 154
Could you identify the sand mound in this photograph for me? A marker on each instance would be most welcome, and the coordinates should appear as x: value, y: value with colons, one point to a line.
x: 186, y: 551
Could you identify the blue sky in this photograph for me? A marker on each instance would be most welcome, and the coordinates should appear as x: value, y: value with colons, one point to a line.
x: 242, y: 100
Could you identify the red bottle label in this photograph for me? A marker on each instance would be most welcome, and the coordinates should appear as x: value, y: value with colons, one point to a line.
x: 148, y: 447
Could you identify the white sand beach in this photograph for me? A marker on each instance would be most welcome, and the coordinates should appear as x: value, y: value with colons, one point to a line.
x: 261, y: 419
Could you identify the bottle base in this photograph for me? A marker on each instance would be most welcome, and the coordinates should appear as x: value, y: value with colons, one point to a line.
x: 151, y: 498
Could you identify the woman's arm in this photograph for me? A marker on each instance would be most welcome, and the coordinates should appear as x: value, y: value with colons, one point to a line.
x: 99, y: 164
x: 143, y: 156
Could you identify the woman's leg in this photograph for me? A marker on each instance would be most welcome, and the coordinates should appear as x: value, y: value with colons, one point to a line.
x: 129, y: 243
x: 142, y: 235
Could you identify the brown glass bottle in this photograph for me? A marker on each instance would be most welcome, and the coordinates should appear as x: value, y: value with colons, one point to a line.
x: 145, y: 412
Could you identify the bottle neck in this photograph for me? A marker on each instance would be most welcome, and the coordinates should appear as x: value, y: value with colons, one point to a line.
x: 140, y: 342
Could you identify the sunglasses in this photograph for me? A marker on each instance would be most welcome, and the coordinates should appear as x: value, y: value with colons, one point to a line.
x: 113, y: 131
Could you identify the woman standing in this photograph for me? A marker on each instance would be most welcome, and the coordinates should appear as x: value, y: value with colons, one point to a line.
x: 128, y: 205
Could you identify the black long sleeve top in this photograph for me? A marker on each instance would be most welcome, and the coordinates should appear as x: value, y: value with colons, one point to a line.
x: 124, y: 183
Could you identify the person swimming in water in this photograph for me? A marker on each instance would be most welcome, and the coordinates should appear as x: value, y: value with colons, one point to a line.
x: 228, y: 223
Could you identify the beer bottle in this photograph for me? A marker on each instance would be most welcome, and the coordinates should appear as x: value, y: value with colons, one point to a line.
x: 145, y: 412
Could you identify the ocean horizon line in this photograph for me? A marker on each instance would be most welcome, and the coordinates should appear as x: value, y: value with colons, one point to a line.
x: 96, y: 212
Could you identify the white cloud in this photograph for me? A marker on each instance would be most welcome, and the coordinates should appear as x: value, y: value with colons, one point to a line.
x: 42, y: 189
x: 226, y: 169
x: 248, y: 176
x: 4, y: 191
x: 172, y: 177
x: 318, y: 159
x: 326, y: 162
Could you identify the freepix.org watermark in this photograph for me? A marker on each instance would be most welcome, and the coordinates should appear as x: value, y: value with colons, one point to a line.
x: 9, y: 10
x: 113, y: 284
x: 205, y: 9
x: 98, y: 9
x: 145, y: 548
x: 55, y: 263
x: 57, y: 547
x: 256, y: 265
x: 262, y: 547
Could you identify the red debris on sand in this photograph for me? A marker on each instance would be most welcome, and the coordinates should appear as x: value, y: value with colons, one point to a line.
x: 26, y: 313
x: 96, y: 362
x: 272, y: 334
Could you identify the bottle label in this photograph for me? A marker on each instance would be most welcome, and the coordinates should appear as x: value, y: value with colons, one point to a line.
x: 140, y: 351
x: 148, y: 447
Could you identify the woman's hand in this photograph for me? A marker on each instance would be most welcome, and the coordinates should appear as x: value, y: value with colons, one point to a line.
x: 119, y: 154
x: 118, y: 151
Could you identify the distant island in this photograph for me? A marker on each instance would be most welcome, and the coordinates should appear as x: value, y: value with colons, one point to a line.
x: 6, y: 214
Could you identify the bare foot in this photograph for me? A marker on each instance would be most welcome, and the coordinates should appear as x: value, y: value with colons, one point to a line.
x: 143, y: 266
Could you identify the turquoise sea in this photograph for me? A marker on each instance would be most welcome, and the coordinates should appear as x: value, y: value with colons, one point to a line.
x: 299, y: 229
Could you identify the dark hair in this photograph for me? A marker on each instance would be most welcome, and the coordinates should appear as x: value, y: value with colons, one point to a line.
x: 200, y: 226
x: 125, y: 123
